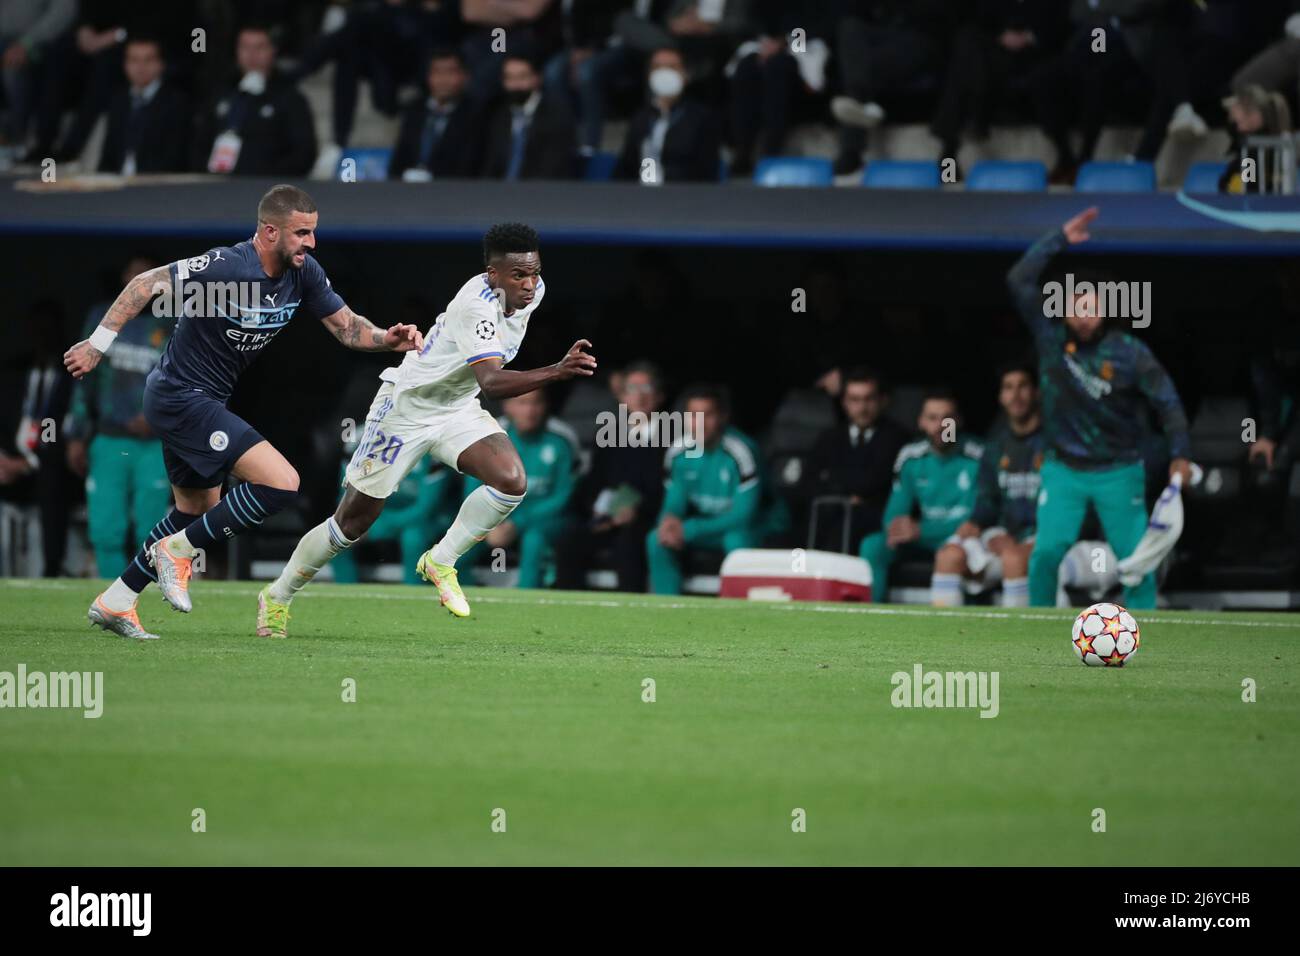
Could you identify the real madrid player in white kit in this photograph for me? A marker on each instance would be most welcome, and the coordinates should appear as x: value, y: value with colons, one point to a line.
x: 429, y: 405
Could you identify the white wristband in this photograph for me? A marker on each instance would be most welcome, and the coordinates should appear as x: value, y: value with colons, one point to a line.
x: 102, y: 338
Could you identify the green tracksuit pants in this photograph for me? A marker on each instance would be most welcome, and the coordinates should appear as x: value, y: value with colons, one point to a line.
x: 126, y: 485
x: 666, y: 564
x: 880, y: 556
x: 1118, y: 495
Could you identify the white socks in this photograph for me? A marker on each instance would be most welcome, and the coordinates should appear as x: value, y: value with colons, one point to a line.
x: 1015, y: 592
x: 483, y: 510
x: 313, y: 552
x: 180, y: 546
x: 119, y: 597
x: 945, y: 590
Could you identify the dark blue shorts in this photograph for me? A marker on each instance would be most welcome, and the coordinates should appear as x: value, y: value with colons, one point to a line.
x: 201, y: 438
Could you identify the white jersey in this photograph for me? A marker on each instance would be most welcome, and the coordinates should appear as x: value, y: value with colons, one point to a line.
x: 474, y: 327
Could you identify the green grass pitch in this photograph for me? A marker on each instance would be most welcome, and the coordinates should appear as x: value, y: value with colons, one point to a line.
x: 534, y: 707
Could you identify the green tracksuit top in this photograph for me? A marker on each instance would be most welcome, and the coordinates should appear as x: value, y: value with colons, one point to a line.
x: 718, y: 491
x: 941, y: 487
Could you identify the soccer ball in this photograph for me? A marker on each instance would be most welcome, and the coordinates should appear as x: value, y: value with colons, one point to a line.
x: 1105, y: 635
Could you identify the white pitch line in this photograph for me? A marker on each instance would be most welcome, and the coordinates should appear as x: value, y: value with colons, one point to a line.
x: 701, y: 604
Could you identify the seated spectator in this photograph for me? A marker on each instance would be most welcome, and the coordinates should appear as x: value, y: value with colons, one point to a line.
x: 27, y: 33
x: 90, y: 60
x: 620, y: 498
x: 713, y: 495
x: 884, y: 47
x: 855, y: 459
x: 672, y: 139
x: 1276, y: 68
x: 109, y: 443
x: 992, y: 56
x: 768, y: 78
x: 413, y: 516
x: 39, y: 459
x: 261, y: 125
x: 389, y: 43
x: 531, y: 29
x: 441, y: 134
x: 707, y: 32
x: 1144, y: 43
x: 995, y: 543
x: 530, y: 134
x: 1275, y: 386
x: 1252, y: 111
x: 547, y: 448
x: 148, y: 123
x: 933, y: 478
x: 589, y: 66
x: 1220, y: 36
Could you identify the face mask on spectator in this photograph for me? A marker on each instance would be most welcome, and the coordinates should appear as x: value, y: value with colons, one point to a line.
x: 518, y: 97
x: 666, y: 83
x: 253, y: 84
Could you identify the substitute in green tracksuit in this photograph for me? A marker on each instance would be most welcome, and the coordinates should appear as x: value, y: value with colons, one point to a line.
x: 1094, y: 379
x: 713, y: 496
x: 415, y: 512
x: 109, y: 442
x: 548, y: 450
x: 935, y: 478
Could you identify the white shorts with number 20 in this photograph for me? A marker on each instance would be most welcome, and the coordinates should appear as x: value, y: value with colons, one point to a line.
x: 392, y: 445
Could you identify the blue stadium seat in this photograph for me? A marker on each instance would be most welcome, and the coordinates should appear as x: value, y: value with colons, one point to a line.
x: 901, y: 174
x: 1136, y: 177
x: 600, y: 167
x: 371, y: 163
x: 1008, y: 176
x: 1203, y: 178
x: 794, y: 171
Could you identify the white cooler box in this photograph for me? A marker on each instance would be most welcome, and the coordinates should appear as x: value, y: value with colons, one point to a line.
x: 764, y: 574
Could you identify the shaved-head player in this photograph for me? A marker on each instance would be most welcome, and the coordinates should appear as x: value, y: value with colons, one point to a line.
x: 230, y: 303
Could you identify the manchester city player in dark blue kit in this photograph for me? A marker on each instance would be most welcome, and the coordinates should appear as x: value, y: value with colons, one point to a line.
x: 230, y: 303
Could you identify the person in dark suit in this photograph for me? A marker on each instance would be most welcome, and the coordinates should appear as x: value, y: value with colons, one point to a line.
x: 441, y: 134
x: 262, y: 126
x: 672, y: 139
x: 621, y: 497
x: 530, y: 134
x: 148, y: 123
x: 856, y: 458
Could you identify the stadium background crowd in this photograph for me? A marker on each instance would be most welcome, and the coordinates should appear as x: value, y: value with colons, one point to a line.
x: 524, y: 88
x: 577, y: 79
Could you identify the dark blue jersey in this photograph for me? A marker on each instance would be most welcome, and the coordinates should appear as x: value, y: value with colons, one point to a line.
x: 228, y: 310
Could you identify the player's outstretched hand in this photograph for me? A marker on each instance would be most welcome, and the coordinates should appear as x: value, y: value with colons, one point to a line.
x: 403, y: 338
x: 81, y: 358
x: 576, y: 361
x: 1076, y: 230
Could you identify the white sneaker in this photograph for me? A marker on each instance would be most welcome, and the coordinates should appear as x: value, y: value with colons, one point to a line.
x: 1187, y: 122
x: 850, y: 112
x: 327, y: 162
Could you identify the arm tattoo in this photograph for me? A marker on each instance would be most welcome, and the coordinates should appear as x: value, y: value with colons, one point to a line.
x: 137, y: 294
x: 357, y: 332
